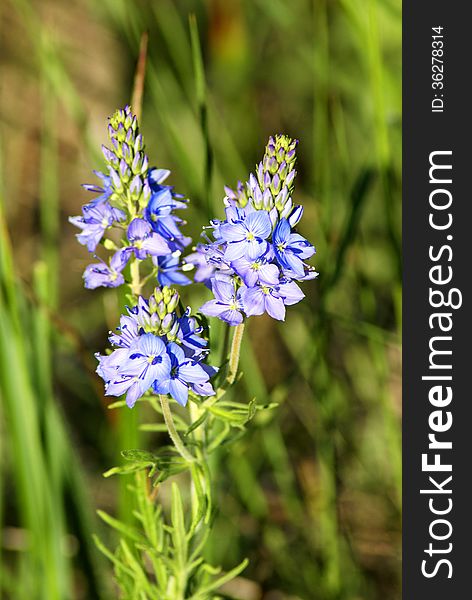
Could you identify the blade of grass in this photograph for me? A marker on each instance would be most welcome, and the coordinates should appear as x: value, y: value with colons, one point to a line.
x: 200, y: 92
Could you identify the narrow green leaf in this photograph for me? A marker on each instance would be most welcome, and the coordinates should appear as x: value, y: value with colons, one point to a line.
x: 214, y: 585
x: 126, y: 530
x: 104, y: 550
x: 178, y: 533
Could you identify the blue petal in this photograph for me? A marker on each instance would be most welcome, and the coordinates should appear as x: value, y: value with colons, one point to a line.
x: 179, y: 391
x: 150, y: 344
x: 253, y: 301
x: 259, y: 224
x: 138, y: 229
x: 281, y: 232
x: 275, y: 307
x: 213, y: 308
x: 232, y: 317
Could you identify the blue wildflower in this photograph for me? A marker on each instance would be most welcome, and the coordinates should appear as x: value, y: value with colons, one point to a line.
x: 291, y: 248
x: 203, y: 268
x: 135, y: 199
x: 227, y: 304
x: 254, y: 255
x: 128, y: 331
x: 144, y: 241
x: 263, y: 298
x: 95, y: 220
x: 146, y: 362
x: 270, y: 299
x: 156, y: 350
x: 248, y: 237
x: 103, y: 275
x: 290, y: 292
x: 188, y: 335
x: 104, y: 191
x: 256, y: 271
x: 170, y: 270
x: 184, y: 374
x: 159, y: 210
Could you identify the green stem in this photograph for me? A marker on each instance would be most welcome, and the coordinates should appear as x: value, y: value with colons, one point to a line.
x: 235, y: 353
x: 136, y: 284
x: 174, y: 436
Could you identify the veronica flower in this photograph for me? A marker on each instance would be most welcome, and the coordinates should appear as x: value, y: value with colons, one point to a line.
x: 263, y: 298
x: 254, y: 255
x: 157, y: 350
x: 227, y: 304
x: 146, y: 362
x: 248, y: 237
x: 104, y: 190
x: 256, y: 271
x: 184, y: 374
x: 309, y: 272
x: 169, y: 270
x: 204, y: 388
x: 291, y: 248
x: 188, y: 335
x: 103, y: 275
x: 128, y: 331
x: 203, y: 268
x: 109, y: 364
x: 156, y: 177
x: 290, y: 292
x: 270, y: 299
x: 145, y: 241
x: 95, y: 219
x: 160, y: 207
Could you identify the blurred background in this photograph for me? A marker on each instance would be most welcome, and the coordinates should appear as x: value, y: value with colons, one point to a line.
x: 311, y: 494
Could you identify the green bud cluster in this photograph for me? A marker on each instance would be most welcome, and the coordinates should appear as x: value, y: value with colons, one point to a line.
x: 276, y: 172
x: 164, y: 301
x: 160, y: 316
x: 273, y: 185
x: 127, y: 162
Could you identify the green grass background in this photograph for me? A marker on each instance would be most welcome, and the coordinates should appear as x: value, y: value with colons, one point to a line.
x: 312, y: 493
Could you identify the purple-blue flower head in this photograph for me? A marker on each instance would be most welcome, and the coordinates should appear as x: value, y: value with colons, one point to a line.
x: 157, y: 351
x: 255, y: 271
x: 254, y: 255
x: 104, y: 191
x: 189, y: 335
x: 146, y: 362
x: 203, y: 268
x: 263, y: 298
x: 270, y: 299
x: 128, y: 331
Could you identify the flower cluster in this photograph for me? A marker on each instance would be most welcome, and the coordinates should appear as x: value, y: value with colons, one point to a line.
x: 157, y: 350
x: 254, y: 256
x: 132, y: 198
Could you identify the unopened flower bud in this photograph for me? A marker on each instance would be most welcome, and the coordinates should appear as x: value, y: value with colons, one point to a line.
x: 161, y: 309
x: 167, y: 323
x: 173, y: 302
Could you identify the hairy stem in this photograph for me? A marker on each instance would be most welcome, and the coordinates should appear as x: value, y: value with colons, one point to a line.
x: 235, y: 353
x: 174, y: 436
